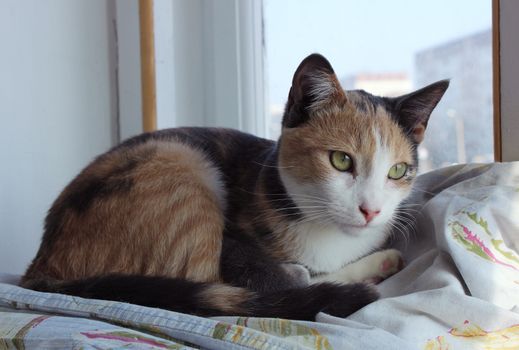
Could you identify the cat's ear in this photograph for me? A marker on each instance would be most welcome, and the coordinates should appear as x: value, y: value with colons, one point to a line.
x: 414, y: 109
x: 314, y: 86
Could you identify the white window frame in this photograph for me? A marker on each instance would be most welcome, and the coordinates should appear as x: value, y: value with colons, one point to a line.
x: 209, y: 65
x: 128, y: 69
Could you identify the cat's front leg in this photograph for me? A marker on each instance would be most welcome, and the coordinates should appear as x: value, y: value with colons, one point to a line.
x: 371, y: 268
x: 298, y: 274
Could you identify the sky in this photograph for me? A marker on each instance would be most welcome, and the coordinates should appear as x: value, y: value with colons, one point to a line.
x: 371, y: 36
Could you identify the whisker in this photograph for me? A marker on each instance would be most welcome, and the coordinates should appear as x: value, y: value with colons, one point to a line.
x: 409, y: 209
x: 410, y: 204
x: 300, y: 207
x: 288, y: 215
x: 423, y: 191
x: 403, y: 229
x: 407, y: 227
x: 307, y: 200
x: 397, y: 229
x: 281, y: 194
x: 274, y: 166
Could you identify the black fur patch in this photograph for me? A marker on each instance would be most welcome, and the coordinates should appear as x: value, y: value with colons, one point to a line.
x: 276, y: 194
x: 305, y: 303
x: 245, y: 263
x: 367, y: 102
x: 183, y: 296
x: 165, y: 293
x: 83, y: 193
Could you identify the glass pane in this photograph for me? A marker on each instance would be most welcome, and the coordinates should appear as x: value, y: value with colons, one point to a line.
x: 390, y: 48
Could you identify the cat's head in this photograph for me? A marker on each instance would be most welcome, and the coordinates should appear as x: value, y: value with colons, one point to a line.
x: 348, y: 158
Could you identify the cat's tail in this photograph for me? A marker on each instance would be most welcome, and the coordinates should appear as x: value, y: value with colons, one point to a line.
x: 212, y: 299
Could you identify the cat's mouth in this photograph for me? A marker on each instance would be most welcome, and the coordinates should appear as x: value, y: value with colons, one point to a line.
x: 347, y: 226
x: 361, y: 226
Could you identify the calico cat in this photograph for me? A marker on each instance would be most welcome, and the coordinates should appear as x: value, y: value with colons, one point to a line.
x: 214, y: 221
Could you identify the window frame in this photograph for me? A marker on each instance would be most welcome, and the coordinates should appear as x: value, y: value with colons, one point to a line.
x: 244, y: 63
x: 225, y: 84
x: 505, y: 81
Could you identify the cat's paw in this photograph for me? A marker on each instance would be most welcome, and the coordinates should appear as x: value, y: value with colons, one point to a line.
x: 299, y: 274
x: 391, y: 263
x: 386, y: 263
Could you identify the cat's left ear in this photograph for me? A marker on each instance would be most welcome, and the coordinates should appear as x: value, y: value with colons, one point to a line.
x: 414, y: 109
x: 314, y: 87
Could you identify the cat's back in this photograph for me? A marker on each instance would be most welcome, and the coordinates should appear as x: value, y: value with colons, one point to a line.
x: 142, y: 206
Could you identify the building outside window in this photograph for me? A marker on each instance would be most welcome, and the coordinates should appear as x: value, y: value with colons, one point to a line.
x: 389, y: 49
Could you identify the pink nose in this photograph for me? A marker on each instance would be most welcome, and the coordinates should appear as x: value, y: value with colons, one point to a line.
x: 369, y: 214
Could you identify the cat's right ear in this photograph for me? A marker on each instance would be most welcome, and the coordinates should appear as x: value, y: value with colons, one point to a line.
x: 414, y: 109
x: 314, y: 87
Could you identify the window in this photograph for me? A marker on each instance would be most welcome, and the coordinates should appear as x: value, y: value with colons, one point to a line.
x: 391, y: 48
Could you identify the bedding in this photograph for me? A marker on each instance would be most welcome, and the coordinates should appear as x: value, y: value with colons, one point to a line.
x: 459, y: 289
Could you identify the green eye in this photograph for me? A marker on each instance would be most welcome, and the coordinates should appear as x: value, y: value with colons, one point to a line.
x: 341, y: 161
x: 397, y: 171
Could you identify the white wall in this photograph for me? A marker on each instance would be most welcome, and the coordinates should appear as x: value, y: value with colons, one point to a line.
x: 57, y: 109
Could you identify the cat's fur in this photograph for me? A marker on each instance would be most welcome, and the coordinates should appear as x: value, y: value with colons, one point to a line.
x: 217, y: 222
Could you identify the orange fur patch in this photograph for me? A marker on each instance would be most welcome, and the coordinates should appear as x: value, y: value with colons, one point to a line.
x: 225, y: 298
x: 304, y: 151
x: 169, y: 223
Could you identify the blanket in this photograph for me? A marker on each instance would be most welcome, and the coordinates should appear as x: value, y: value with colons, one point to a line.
x: 459, y: 234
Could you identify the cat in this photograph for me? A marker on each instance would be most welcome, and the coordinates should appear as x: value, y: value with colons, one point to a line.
x: 213, y: 221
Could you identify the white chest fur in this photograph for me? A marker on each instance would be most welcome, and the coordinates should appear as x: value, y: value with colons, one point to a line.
x: 327, y: 249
